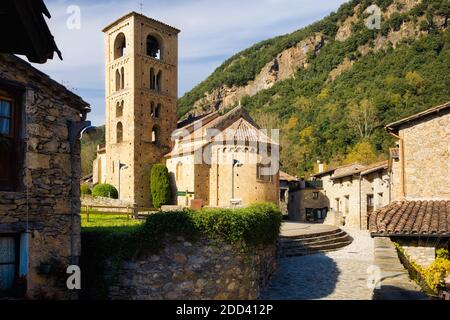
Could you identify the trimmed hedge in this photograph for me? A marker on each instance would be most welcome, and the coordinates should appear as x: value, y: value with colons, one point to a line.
x: 160, y: 185
x: 105, y: 191
x: 85, y: 190
x: 256, y: 225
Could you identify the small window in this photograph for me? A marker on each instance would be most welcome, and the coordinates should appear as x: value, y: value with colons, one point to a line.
x: 118, y: 79
x: 264, y: 172
x: 152, y: 79
x: 315, y: 195
x: 119, y: 133
x: 159, y: 81
x: 158, y: 111
x: 179, y: 171
x: 122, y: 78
x: 120, y: 46
x: 119, y: 109
x: 155, y: 134
x: 154, y: 48
x: 152, y: 109
x: 9, y: 139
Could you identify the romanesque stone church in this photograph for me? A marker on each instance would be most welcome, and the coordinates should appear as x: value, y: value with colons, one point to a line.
x: 217, y: 159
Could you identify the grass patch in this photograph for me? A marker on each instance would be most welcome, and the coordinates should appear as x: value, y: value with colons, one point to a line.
x: 102, y: 223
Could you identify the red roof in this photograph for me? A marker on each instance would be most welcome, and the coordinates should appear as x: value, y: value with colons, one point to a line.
x: 408, y: 218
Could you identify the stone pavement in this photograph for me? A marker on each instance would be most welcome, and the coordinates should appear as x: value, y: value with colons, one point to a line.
x: 344, y: 274
x: 395, y: 283
x: 338, y: 275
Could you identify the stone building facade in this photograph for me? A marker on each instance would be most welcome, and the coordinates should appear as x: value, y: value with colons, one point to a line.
x: 352, y: 192
x: 422, y: 160
x: 39, y: 181
x: 223, y: 161
x: 419, y: 216
x: 141, y: 60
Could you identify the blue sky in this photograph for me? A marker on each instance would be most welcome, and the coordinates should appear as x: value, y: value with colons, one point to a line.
x: 211, y: 31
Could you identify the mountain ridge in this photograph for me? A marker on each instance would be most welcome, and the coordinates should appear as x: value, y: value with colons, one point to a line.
x: 312, y: 93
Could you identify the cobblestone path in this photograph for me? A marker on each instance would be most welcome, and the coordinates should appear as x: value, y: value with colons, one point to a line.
x: 339, y: 275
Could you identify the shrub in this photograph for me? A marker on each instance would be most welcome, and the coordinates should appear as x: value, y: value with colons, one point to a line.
x: 160, y: 185
x: 85, y: 190
x: 106, y: 191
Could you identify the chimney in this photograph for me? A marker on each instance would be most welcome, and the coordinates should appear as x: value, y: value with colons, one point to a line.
x: 321, y: 166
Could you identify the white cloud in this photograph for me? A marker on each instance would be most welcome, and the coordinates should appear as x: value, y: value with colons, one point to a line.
x: 211, y: 31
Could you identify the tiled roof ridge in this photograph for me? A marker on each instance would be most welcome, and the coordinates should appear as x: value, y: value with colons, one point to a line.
x: 412, y: 217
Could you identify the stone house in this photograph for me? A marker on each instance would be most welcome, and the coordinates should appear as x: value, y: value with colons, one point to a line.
x: 351, y: 193
x: 419, y: 216
x: 40, y: 164
x: 290, y: 196
x: 142, y: 129
x: 223, y: 161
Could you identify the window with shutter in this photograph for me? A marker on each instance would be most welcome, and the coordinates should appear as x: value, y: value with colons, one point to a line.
x: 9, y: 139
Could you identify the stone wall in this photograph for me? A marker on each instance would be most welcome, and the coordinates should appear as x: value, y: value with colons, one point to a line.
x: 107, y: 202
x: 44, y: 208
x: 423, y: 256
x: 199, y: 271
x: 426, y: 158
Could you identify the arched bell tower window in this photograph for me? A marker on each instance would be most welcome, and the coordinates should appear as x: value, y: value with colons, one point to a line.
x: 154, y: 48
x: 122, y: 78
x: 152, y: 79
x: 152, y: 109
x: 119, y: 132
x: 158, y: 111
x: 155, y: 134
x: 118, y: 78
x: 120, y: 46
x: 159, y: 81
x: 119, y: 108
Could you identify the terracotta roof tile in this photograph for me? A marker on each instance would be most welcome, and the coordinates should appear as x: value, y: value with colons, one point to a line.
x: 412, y: 218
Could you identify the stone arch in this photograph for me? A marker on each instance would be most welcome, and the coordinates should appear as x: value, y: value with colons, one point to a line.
x: 119, y: 132
x: 154, y: 47
x: 120, y: 45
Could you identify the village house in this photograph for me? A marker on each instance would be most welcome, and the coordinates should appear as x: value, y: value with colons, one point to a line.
x: 40, y: 122
x: 290, y: 196
x: 419, y: 216
x: 347, y: 194
x: 218, y: 160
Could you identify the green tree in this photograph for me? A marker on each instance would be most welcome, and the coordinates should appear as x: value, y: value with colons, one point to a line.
x: 363, y: 117
x: 160, y: 185
x: 363, y: 153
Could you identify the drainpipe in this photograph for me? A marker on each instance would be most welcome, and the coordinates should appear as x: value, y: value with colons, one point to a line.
x: 360, y: 200
x: 402, y: 163
x: 76, y: 132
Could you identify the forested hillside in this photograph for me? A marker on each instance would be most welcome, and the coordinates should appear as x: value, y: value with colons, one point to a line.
x: 352, y: 83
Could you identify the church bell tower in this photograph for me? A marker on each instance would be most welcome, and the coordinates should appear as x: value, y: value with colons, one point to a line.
x: 141, y: 62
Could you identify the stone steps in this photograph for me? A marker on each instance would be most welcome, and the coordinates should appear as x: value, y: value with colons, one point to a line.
x: 311, y: 244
